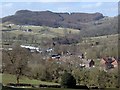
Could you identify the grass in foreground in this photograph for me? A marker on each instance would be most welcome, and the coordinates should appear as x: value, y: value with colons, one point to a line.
x: 39, y: 89
x: 8, y: 78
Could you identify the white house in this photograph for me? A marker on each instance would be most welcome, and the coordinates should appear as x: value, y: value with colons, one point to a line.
x: 32, y: 49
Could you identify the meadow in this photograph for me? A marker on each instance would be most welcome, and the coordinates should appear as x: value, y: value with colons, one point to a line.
x: 39, y: 89
x: 8, y: 78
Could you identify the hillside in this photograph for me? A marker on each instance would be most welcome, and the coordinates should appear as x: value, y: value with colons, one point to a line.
x: 95, y: 24
x: 52, y: 19
x: 105, y: 26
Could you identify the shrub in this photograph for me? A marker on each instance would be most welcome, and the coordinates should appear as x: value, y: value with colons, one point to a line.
x: 68, y: 81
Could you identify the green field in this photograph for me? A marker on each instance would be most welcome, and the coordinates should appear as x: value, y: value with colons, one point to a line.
x: 41, y: 31
x: 36, y: 36
x: 8, y: 78
x: 5, y: 88
x: 39, y: 89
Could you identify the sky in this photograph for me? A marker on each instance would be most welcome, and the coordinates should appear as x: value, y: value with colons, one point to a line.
x: 106, y: 8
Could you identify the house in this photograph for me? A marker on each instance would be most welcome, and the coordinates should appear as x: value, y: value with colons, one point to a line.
x: 108, y: 63
x: 9, y: 25
x: 56, y: 56
x: 28, y: 30
x: 10, y: 49
x: 82, y: 65
x: 31, y: 48
x: 49, y: 50
x: 91, y: 63
x: 87, y: 64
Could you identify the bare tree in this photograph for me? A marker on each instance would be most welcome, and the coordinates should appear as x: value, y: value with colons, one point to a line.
x: 16, y: 61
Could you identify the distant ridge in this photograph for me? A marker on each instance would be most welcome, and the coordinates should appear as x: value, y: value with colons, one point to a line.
x: 52, y: 19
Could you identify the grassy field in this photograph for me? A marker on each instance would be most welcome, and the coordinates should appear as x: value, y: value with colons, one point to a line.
x: 41, y: 30
x: 100, y: 46
x: 8, y: 78
x: 55, y: 89
x: 41, y: 89
x: 37, y: 34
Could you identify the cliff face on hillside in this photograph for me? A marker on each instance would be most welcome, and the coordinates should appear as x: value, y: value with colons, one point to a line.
x: 52, y: 19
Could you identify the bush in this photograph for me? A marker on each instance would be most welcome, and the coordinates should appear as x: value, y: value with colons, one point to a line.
x: 68, y: 81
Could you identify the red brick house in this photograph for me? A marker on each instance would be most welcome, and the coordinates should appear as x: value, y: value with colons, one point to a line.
x: 108, y: 63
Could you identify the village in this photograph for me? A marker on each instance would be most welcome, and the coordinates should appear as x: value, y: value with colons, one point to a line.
x: 105, y: 63
x: 46, y: 53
